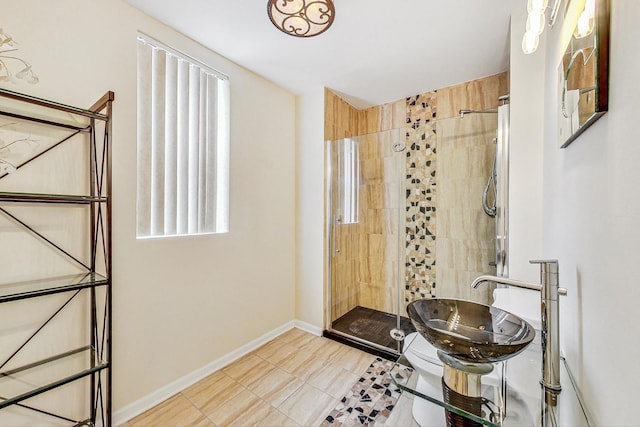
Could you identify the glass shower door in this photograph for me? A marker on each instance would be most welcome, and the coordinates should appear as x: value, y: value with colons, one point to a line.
x: 365, y: 230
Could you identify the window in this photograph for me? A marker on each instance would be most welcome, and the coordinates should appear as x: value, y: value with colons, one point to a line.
x: 349, y: 170
x: 183, y: 144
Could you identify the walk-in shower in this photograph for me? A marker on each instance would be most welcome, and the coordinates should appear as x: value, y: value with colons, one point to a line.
x: 405, y: 221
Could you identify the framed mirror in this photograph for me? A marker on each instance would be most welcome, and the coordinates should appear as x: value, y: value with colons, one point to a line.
x: 583, y: 74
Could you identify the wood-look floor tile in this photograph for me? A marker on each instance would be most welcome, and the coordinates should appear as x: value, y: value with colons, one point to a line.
x: 353, y: 360
x: 213, y: 391
x: 323, y: 348
x: 296, y: 336
x: 246, y: 409
x: 276, y: 386
x: 302, y: 365
x: 276, y: 351
x: 276, y: 418
x: 248, y: 369
x: 333, y: 380
x: 176, y: 411
x: 308, y: 405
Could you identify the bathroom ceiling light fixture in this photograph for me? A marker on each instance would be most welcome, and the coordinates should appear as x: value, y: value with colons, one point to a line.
x: 535, y: 23
x: 301, y: 18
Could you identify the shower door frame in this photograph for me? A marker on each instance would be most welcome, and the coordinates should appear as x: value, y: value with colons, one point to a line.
x: 331, y: 220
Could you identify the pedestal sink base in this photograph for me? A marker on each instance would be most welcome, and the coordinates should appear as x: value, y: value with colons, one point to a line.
x: 472, y: 405
x: 462, y: 388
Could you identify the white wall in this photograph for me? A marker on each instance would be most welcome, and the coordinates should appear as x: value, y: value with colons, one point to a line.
x: 590, y: 216
x: 310, y: 207
x: 179, y: 303
x: 525, y: 156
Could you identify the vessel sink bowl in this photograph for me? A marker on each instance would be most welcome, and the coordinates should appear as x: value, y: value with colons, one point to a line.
x: 469, y: 331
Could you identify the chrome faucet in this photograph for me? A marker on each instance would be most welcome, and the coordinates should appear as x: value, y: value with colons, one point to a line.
x: 549, y: 292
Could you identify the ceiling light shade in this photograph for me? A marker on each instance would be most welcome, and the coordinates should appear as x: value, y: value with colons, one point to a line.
x: 301, y: 18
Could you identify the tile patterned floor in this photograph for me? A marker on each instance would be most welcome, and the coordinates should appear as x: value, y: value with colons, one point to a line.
x: 297, y: 379
x: 370, y: 400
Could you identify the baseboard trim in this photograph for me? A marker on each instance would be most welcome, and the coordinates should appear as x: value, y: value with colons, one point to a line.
x: 308, y: 327
x: 149, y: 401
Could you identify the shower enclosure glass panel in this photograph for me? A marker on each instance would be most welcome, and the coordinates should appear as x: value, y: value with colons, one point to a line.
x: 365, y: 210
x: 405, y: 221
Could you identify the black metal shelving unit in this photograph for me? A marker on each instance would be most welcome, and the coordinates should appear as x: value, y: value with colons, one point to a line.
x: 24, y: 379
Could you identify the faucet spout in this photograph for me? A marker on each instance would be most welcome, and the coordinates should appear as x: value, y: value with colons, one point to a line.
x: 504, y: 281
x: 549, y: 292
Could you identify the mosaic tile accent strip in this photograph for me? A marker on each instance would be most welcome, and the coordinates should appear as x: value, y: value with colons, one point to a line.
x: 420, y: 244
x: 370, y: 401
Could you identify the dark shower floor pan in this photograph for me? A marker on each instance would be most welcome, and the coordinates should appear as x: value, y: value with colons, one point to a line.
x: 372, y: 325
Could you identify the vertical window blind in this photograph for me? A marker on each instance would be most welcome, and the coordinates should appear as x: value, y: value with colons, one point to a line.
x: 349, y: 170
x: 183, y: 144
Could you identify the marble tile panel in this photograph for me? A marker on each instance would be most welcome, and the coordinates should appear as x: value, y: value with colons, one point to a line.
x: 176, y: 411
x: 390, y: 218
x: 308, y: 405
x: 213, y: 391
x: 391, y: 194
x: 475, y: 95
x: 329, y: 126
x: 373, y: 221
x: 399, y: 114
x: 385, y: 119
x: 375, y: 195
x: 376, y: 269
x: 363, y: 272
x: 372, y: 170
x: 376, y: 246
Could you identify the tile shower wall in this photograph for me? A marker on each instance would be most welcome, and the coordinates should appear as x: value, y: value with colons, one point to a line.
x: 341, y: 122
x: 448, y: 163
x: 364, y: 273
x: 421, y: 186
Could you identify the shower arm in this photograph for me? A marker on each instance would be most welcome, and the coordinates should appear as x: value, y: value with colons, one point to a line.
x: 463, y: 112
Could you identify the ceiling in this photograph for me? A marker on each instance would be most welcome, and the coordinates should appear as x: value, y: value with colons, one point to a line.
x: 377, y: 51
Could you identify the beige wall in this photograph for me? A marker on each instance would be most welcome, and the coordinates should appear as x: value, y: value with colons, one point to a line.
x: 179, y: 303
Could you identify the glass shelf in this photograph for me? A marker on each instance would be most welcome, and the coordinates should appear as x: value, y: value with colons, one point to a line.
x: 49, y: 198
x: 35, y: 288
x: 521, y: 398
x: 28, y: 381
